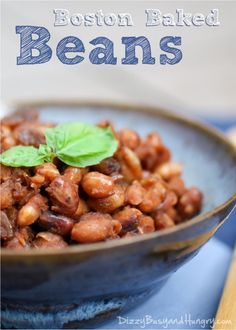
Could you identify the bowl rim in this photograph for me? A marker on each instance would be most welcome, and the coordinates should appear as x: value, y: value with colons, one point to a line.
x: 190, y: 121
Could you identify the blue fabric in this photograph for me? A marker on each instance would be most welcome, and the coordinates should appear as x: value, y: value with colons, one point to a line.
x: 226, y: 233
x: 191, y: 295
x: 221, y: 124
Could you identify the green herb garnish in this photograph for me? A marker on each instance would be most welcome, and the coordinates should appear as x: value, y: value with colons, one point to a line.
x: 75, y: 144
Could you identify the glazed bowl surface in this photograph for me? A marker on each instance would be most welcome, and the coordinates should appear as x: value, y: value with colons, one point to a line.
x: 83, y: 285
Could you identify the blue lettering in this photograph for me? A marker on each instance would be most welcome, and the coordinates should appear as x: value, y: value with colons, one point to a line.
x: 130, y: 44
x: 28, y: 44
x: 175, y: 51
x: 62, y: 49
x: 107, y: 52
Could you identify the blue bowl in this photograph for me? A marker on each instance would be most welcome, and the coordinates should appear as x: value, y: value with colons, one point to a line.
x: 83, y: 285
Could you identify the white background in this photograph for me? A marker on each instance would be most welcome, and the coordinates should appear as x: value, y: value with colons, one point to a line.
x: 204, y: 81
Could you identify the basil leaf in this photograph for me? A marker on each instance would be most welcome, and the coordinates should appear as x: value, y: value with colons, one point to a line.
x: 83, y: 161
x: 21, y: 156
x: 75, y: 144
x: 46, y: 153
x: 81, y: 145
x: 61, y: 135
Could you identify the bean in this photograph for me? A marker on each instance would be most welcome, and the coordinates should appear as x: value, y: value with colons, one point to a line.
x: 98, y: 185
x: 14, y: 244
x: 177, y: 185
x: 7, y: 140
x: 130, y: 164
x: 116, y: 228
x: 37, y: 181
x: 21, y: 175
x: 164, y: 155
x: 22, y: 194
x: 169, y: 170
x: 8, y: 143
x: 108, y: 166
x: 128, y: 218
x: 15, y: 190
x: 5, y: 173
x: 146, y: 224
x: 5, y: 131
x: 172, y: 213
x: 30, y: 134
x: 6, y: 226
x: 75, y: 174
x: 94, y: 227
x: 30, y: 212
x: 147, y: 151
x: 44, y: 174
x: 12, y: 213
x: 6, y: 194
x: 152, y: 152
x: 153, y: 197
x: 169, y: 201
x: 154, y: 140
x: 135, y: 193
x: 147, y: 155
x: 190, y: 203
x: 19, y: 117
x: 82, y: 209
x: 153, y: 180
x: 163, y: 221
x: 55, y: 223
x: 64, y: 195
x: 129, y: 138
x: 46, y: 240
x: 151, y: 201
x: 110, y: 203
x: 22, y: 240
x: 47, y: 170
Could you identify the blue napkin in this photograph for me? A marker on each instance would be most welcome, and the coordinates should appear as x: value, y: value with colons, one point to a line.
x: 190, y: 298
x: 226, y: 233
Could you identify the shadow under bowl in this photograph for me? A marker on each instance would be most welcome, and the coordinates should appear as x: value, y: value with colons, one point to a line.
x: 82, y: 285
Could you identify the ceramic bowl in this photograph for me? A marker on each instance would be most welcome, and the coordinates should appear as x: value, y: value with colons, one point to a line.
x: 85, y: 284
